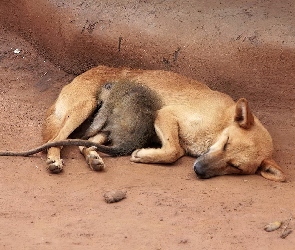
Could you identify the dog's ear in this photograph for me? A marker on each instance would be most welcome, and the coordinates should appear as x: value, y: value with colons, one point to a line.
x: 243, y: 115
x: 270, y: 170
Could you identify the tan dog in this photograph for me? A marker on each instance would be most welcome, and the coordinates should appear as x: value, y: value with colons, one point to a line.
x: 195, y: 121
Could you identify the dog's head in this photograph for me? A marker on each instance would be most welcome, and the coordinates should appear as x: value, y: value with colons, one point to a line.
x: 243, y: 147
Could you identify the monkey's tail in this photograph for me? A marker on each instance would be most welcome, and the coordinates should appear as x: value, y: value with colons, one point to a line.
x: 69, y: 142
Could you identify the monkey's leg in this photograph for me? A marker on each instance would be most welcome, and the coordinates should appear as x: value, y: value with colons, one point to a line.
x: 93, y: 159
x: 167, y: 128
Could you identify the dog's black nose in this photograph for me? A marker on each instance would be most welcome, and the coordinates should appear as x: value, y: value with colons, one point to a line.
x: 199, y: 170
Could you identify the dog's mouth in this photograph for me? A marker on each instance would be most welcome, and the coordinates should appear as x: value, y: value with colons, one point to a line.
x: 206, y: 172
x: 205, y: 167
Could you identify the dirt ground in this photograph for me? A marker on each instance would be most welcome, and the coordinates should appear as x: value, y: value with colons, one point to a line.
x: 167, y: 207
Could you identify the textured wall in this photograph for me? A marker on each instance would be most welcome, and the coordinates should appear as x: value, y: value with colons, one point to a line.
x: 236, y: 46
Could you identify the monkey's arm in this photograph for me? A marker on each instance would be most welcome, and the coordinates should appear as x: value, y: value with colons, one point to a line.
x: 98, y: 123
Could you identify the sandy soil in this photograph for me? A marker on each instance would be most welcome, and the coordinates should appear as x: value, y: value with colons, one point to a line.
x: 167, y: 207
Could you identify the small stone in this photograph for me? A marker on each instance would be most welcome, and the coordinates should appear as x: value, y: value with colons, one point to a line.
x: 114, y: 196
x: 286, y: 232
x: 272, y: 226
x: 16, y: 51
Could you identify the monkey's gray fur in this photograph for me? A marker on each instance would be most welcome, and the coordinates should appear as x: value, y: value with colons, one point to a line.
x: 127, y: 115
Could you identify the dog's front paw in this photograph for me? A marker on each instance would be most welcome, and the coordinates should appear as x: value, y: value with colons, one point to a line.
x: 134, y: 156
x: 54, y: 166
x: 140, y: 156
x: 95, y: 162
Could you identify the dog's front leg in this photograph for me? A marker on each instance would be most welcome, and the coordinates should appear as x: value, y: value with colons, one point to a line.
x: 93, y: 159
x: 167, y: 129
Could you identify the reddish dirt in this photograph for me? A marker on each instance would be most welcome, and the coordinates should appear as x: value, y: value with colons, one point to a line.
x: 167, y: 207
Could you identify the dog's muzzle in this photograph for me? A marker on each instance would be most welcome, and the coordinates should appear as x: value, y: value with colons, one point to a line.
x: 199, y: 169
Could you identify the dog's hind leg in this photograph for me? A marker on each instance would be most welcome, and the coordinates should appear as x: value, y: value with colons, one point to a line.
x: 167, y: 129
x: 93, y: 159
x: 60, y: 123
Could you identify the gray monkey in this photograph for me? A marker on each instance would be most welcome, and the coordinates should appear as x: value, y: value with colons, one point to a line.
x: 127, y: 114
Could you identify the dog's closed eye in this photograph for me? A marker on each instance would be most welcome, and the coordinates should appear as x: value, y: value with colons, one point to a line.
x: 226, y: 144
